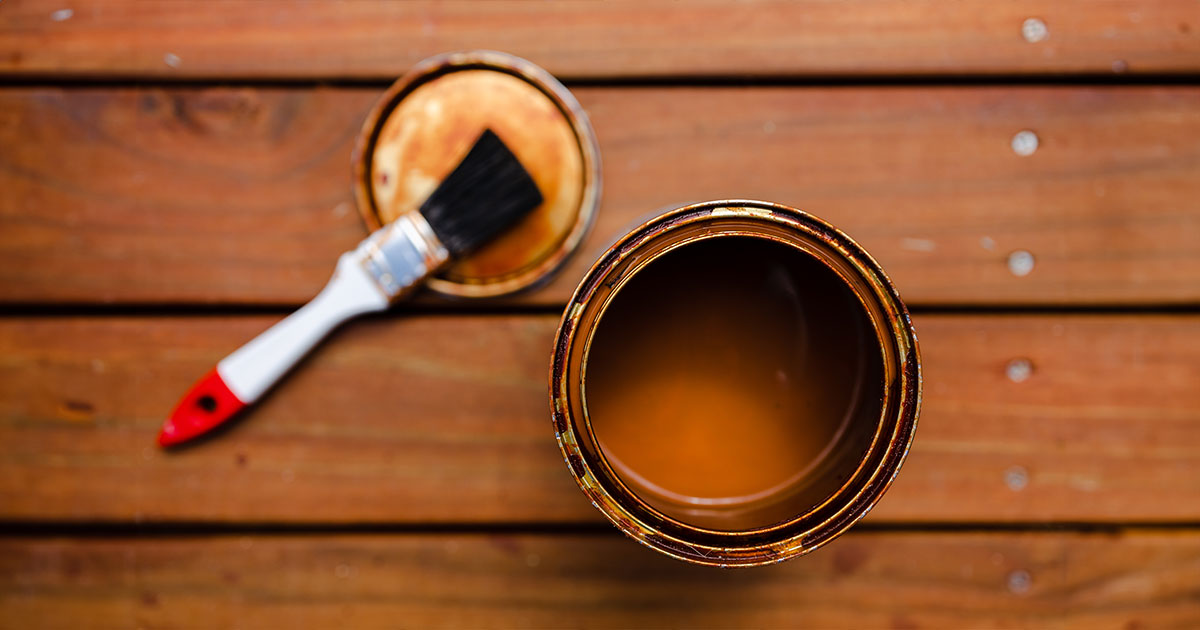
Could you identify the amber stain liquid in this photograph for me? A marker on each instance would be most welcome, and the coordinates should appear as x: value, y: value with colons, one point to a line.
x: 733, y: 382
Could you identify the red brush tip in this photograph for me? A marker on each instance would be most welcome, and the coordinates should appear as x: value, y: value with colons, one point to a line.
x: 208, y: 404
x: 170, y: 434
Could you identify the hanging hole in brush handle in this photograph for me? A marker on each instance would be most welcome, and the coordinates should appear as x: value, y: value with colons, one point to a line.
x: 207, y: 404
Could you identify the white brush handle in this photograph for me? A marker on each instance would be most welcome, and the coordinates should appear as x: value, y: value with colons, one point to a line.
x: 390, y: 263
x: 252, y: 369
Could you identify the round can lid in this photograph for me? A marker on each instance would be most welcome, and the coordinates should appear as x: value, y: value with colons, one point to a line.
x: 424, y: 124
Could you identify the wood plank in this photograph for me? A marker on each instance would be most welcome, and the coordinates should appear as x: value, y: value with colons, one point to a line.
x: 243, y: 195
x: 871, y: 580
x: 445, y: 419
x: 648, y: 38
x: 221, y: 195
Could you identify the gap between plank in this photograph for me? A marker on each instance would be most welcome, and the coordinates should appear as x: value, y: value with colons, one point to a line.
x: 817, y: 81
x: 121, y: 529
x: 184, y: 309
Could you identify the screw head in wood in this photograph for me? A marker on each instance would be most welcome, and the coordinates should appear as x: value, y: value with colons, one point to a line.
x: 1016, y: 478
x: 1019, y: 582
x: 1019, y: 370
x: 1034, y: 30
x: 1020, y: 263
x: 1024, y: 143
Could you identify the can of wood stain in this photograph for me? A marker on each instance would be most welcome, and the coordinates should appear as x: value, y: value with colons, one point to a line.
x: 735, y: 383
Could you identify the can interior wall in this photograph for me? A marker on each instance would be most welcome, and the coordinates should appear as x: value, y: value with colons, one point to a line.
x: 800, y: 518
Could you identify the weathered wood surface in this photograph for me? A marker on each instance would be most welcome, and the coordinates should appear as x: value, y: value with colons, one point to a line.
x: 441, y: 419
x: 433, y: 431
x: 865, y: 580
x: 243, y: 195
x: 646, y: 38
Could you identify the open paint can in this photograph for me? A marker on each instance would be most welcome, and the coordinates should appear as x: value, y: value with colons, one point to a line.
x: 735, y: 383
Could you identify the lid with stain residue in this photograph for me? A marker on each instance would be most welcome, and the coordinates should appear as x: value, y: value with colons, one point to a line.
x: 426, y: 122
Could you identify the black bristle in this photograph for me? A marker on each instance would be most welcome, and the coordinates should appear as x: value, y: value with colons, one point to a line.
x: 487, y: 193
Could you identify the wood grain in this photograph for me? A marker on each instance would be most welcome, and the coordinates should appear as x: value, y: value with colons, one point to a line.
x: 243, y: 195
x: 648, y: 38
x: 445, y: 419
x: 871, y: 580
x: 1066, y: 500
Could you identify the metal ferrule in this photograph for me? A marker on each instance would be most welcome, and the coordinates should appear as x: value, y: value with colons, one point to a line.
x: 401, y: 254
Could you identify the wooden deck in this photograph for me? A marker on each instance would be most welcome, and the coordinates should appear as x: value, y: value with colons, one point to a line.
x: 175, y: 176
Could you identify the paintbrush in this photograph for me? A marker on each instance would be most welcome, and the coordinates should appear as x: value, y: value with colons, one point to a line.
x: 486, y: 193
